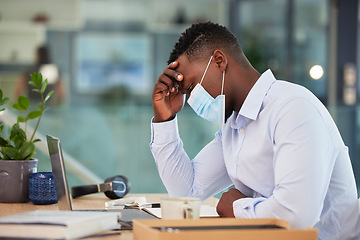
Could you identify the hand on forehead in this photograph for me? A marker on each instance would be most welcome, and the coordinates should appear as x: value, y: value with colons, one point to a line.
x: 189, y: 74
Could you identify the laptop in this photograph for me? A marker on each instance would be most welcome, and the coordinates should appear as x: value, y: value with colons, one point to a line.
x: 62, y: 189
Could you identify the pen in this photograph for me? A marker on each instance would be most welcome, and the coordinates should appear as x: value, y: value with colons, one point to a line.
x: 150, y: 205
x: 145, y: 205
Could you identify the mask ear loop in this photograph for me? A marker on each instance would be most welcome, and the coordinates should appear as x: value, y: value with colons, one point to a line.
x: 222, y: 85
x: 206, y: 69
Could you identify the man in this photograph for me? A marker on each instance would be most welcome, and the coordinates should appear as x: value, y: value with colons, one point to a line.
x: 278, y: 144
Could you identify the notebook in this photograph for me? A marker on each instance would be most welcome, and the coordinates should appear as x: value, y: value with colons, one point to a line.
x: 62, y: 189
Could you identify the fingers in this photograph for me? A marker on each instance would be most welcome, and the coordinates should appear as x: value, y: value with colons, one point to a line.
x: 171, y: 72
x: 167, y: 98
x: 164, y: 85
x: 168, y: 81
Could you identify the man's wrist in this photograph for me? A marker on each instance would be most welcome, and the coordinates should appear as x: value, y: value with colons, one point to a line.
x: 159, y: 120
x: 163, y: 132
x: 246, y: 207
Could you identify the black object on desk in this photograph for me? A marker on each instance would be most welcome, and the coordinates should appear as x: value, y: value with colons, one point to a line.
x: 113, y: 187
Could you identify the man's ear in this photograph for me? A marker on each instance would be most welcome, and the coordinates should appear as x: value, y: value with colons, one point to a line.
x: 220, y: 60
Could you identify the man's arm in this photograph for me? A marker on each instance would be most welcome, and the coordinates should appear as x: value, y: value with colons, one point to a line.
x: 206, y: 174
x: 202, y: 177
x: 225, y: 204
x: 166, y: 98
x: 303, y: 162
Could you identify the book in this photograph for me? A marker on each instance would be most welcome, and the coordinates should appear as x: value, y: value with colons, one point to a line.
x: 54, y: 224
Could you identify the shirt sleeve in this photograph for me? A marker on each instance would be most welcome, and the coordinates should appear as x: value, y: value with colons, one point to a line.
x: 202, y: 177
x: 304, y: 155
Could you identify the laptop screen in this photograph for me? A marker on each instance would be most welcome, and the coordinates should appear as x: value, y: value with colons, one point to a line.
x: 62, y: 189
x: 58, y: 169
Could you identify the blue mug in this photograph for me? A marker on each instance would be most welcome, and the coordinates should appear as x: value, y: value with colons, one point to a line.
x: 42, y: 188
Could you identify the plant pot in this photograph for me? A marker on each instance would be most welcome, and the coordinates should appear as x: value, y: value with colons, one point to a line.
x: 14, y: 180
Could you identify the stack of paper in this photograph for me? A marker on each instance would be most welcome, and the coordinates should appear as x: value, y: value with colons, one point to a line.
x: 57, y: 224
x: 205, y: 211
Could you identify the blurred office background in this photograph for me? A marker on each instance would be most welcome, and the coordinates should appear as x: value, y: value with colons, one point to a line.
x: 110, y: 53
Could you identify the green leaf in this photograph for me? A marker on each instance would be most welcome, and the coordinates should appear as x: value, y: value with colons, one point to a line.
x: 12, y: 153
x: 48, y: 96
x: 30, y: 156
x: 14, y: 130
x: 3, y: 142
x: 18, y: 141
x: 34, y: 114
x: 36, y: 140
x: 36, y: 90
x: 3, y: 101
x: 40, y: 105
x: 44, y: 85
x: 22, y: 134
x: 32, y: 83
x: 34, y: 77
x: 27, y: 149
x: 21, y: 119
x: 17, y: 131
x: 37, y: 79
x: 24, y: 102
x: 18, y: 107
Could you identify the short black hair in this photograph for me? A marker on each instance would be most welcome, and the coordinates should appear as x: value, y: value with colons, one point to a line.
x: 201, y: 39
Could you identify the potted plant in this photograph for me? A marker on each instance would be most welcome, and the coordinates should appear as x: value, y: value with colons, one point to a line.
x: 17, y: 148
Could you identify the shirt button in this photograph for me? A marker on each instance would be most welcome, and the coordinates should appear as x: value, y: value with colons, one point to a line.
x: 156, y: 133
x: 235, y: 159
x: 242, y: 130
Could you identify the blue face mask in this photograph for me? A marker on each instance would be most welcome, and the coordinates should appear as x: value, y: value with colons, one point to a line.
x: 205, y: 105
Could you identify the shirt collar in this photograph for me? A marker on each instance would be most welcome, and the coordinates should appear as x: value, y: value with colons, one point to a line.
x: 253, y: 102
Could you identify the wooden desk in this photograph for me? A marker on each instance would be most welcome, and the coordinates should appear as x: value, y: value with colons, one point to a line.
x: 94, y: 201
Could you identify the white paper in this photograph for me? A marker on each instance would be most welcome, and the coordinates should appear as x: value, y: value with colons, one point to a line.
x: 53, y: 217
x: 120, y: 203
x: 205, y: 211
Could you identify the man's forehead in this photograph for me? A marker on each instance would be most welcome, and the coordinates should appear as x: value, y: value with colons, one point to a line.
x: 195, y: 61
x: 183, y: 59
x: 185, y: 66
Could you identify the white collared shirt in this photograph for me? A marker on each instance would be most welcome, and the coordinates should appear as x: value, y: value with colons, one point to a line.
x: 282, y: 150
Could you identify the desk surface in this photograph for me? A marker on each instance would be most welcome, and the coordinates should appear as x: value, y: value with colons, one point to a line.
x: 95, y: 201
